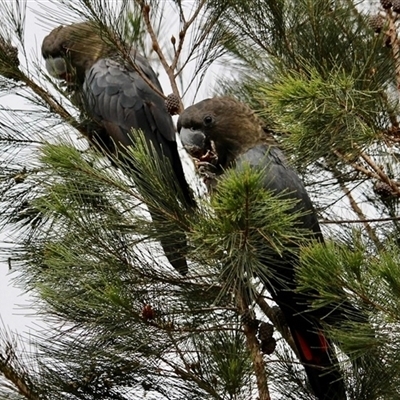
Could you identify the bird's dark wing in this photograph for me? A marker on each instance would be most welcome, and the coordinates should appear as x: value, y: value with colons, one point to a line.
x: 315, y: 350
x: 119, y: 99
x: 280, y: 178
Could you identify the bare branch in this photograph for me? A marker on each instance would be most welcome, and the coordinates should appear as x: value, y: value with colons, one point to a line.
x: 255, y: 352
x: 183, y: 32
x: 394, y: 42
x: 380, y: 173
x: 156, y: 47
x: 283, y: 330
x: 17, y: 379
x: 357, y: 210
x: 377, y: 172
x: 357, y: 221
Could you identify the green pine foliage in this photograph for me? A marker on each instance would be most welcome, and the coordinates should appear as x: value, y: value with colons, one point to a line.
x: 120, y: 322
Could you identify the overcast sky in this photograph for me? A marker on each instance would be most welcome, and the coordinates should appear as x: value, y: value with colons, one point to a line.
x: 13, y: 305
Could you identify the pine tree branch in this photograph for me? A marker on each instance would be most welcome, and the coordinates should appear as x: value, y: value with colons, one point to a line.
x: 383, y: 177
x: 357, y: 221
x: 282, y: 329
x: 53, y: 104
x: 260, y: 370
x: 377, y: 172
x: 16, y: 74
x: 156, y: 47
x: 356, y: 166
x: 171, y: 68
x: 17, y: 379
x: 391, y: 33
x: 195, y: 47
x: 357, y: 210
x: 189, y: 376
x: 183, y: 32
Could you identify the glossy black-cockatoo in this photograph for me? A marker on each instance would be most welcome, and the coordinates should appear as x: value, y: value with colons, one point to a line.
x: 117, y: 98
x: 228, y: 133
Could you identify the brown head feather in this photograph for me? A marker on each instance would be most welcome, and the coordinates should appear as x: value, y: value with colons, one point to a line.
x: 82, y: 43
x: 234, y: 129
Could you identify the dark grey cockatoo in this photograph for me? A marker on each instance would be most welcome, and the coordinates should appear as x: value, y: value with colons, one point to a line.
x: 118, y: 98
x: 230, y: 134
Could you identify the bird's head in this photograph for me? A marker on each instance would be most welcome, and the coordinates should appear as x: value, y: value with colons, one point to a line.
x: 220, y: 125
x: 70, y: 50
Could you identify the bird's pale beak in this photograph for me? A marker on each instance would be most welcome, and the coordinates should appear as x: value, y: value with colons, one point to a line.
x: 56, y: 67
x: 194, y: 142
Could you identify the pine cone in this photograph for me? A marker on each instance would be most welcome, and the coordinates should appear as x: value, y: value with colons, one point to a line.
x: 148, y: 312
x: 386, y: 4
x: 383, y: 190
x: 396, y: 6
x: 146, y: 385
x: 8, y: 59
x: 248, y: 319
x: 173, y: 104
x: 268, y: 346
x: 376, y: 23
x: 265, y: 331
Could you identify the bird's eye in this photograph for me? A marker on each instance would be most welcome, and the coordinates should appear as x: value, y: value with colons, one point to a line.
x: 208, y: 120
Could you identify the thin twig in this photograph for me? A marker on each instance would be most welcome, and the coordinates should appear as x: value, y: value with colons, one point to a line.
x: 183, y: 32
x: 392, y: 34
x: 377, y: 172
x: 193, y: 50
x: 357, y: 167
x: 255, y: 352
x: 17, y: 380
x: 357, y: 221
x: 357, y: 210
x: 380, y: 173
x: 53, y: 104
x: 189, y: 376
x: 170, y: 69
x: 156, y: 47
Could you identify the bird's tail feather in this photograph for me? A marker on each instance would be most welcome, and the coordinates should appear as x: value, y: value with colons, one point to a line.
x: 320, y: 363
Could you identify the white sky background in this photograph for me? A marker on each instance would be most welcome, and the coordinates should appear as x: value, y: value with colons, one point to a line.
x: 15, y: 312
x: 13, y: 305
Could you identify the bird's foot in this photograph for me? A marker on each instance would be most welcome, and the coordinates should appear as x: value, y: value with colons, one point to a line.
x: 209, y: 177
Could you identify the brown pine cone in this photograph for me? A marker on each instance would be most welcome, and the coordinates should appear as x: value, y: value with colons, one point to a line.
x: 376, y: 23
x: 173, y: 104
x: 386, y: 4
x: 383, y: 190
x: 265, y: 331
x: 148, y: 312
x: 268, y: 346
x: 8, y: 59
x: 396, y: 6
x: 248, y: 319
